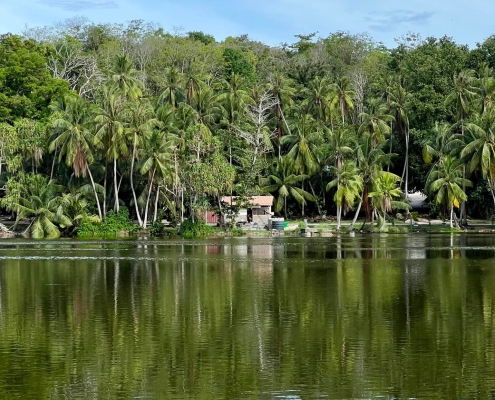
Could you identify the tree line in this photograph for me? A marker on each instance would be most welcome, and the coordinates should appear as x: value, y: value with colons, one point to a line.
x: 94, y: 117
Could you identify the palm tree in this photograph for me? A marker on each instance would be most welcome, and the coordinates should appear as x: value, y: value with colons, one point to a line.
x: 74, y: 138
x: 385, y: 190
x: 126, y: 78
x: 480, y: 150
x: 370, y: 161
x: 284, y: 182
x: 304, y: 147
x: 349, y: 184
x: 140, y: 121
x: 317, y: 98
x: 485, y: 87
x: 233, y: 101
x: 111, y: 135
x: 342, y: 96
x: 157, y: 163
x: 375, y: 121
x: 400, y: 103
x: 446, y: 182
x: 463, y: 97
x: 172, y: 87
x: 281, y: 88
x: 39, y: 200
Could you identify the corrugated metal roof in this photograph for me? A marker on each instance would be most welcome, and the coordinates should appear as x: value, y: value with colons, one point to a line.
x: 263, y: 201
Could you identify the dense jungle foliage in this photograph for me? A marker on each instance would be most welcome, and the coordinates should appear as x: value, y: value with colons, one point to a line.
x: 94, y: 117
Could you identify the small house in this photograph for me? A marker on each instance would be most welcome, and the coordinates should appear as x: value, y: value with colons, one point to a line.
x: 258, y: 209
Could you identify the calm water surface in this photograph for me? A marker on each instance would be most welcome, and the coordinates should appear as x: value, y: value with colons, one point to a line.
x: 371, y: 317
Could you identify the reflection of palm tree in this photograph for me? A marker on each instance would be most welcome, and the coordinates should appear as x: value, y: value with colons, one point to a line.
x: 349, y: 184
x: 283, y: 181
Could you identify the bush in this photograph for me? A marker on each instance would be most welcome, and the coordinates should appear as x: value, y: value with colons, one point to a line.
x: 196, y: 229
x: 111, y: 226
x: 157, y: 229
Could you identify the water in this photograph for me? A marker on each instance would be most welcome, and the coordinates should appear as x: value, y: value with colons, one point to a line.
x: 370, y: 317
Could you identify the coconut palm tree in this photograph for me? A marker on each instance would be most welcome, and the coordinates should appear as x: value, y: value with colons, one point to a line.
x: 349, y: 184
x: 385, y: 190
x: 282, y: 89
x: 446, y: 184
x: 111, y: 136
x: 370, y: 161
x: 126, y: 78
x: 157, y: 164
x: 139, y: 125
x: 479, y: 152
x: 317, y: 98
x: 342, y: 96
x: 39, y: 199
x: 284, y: 182
x: 375, y: 121
x: 74, y: 138
x: 172, y: 92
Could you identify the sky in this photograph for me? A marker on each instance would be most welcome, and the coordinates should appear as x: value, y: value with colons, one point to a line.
x: 271, y: 21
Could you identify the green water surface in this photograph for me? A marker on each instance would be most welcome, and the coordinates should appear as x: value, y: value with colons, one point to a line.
x: 370, y: 317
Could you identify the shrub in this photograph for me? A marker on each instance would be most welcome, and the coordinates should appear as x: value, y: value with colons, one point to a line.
x: 196, y: 229
x: 111, y: 226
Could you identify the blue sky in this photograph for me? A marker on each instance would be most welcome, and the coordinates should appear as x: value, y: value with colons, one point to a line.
x: 272, y: 21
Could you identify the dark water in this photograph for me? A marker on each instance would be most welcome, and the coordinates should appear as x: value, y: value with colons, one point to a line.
x: 385, y: 317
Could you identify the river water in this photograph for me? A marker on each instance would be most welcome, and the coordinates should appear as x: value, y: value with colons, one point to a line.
x: 370, y: 317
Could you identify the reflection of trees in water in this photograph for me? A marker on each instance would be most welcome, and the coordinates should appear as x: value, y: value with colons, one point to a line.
x: 199, y: 324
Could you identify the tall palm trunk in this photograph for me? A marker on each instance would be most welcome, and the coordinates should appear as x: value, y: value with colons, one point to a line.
x: 155, y: 215
x: 463, y: 213
x: 94, y: 191
x: 138, y: 213
x: 339, y: 213
x: 145, y: 221
x: 116, y: 185
x: 452, y: 215
x: 351, y: 227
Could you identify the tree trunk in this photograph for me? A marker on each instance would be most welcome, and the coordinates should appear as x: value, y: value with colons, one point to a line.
x: 94, y: 191
x: 105, y: 190
x: 116, y: 185
x: 314, y: 194
x: 339, y: 213
x: 451, y: 215
x: 351, y: 228
x: 138, y: 213
x: 155, y: 215
x: 145, y: 220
